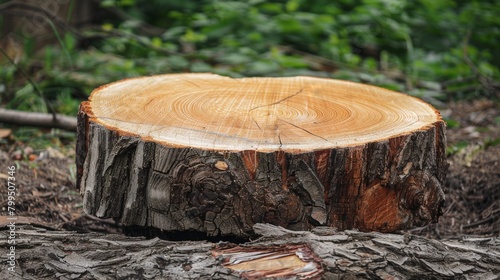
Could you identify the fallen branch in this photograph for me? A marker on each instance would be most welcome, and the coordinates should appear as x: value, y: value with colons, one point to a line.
x: 37, y: 119
x: 324, y: 253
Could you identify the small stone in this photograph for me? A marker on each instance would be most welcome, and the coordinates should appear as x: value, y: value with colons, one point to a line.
x: 28, y: 151
x: 53, y: 153
x: 17, y: 155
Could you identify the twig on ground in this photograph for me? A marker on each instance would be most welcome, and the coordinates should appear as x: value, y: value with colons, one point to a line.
x: 37, y: 119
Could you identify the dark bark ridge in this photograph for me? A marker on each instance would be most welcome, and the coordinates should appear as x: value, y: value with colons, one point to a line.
x: 349, y: 254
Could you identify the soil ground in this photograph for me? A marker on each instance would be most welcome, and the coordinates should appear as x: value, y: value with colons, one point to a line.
x: 47, y: 195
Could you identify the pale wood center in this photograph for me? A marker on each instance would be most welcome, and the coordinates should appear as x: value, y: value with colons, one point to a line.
x: 208, y: 111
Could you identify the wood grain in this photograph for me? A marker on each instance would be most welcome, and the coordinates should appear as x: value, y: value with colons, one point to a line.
x: 208, y: 111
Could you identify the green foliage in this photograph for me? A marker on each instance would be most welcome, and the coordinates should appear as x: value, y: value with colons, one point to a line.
x: 435, y: 50
x: 452, y: 123
x: 457, y: 147
x: 39, y: 140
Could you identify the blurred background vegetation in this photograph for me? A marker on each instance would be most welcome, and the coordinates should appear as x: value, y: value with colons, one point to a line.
x: 54, y: 53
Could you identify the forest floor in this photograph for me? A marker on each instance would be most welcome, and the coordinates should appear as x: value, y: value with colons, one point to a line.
x: 47, y: 196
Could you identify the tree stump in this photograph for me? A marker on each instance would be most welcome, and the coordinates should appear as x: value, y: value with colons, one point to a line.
x: 212, y: 154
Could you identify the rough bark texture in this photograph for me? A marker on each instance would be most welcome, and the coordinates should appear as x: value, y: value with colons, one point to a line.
x: 43, y: 254
x: 385, y: 185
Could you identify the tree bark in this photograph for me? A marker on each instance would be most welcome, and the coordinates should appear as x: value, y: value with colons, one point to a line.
x: 200, y: 152
x: 325, y: 254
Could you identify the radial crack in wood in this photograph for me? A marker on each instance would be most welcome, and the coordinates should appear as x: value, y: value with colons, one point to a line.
x: 211, y: 154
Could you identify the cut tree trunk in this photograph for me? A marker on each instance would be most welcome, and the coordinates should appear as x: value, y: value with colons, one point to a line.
x: 320, y: 254
x: 211, y: 154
